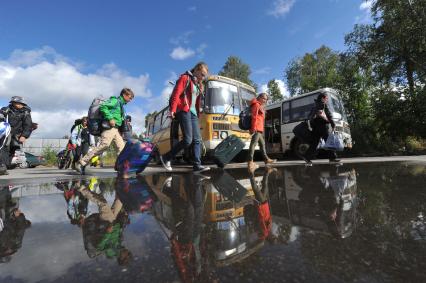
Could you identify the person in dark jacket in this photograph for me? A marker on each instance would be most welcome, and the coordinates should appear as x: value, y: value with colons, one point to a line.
x: 319, y: 118
x: 18, y: 114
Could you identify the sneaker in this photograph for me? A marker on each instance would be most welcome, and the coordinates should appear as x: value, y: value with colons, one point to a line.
x: 308, y: 163
x: 4, y: 172
x: 166, y: 164
x: 200, y: 169
x: 334, y: 160
x: 202, y: 177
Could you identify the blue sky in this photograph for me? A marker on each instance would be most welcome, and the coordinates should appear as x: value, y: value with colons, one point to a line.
x: 60, y: 54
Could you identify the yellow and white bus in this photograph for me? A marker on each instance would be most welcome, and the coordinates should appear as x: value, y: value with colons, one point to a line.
x: 223, y: 101
x: 283, y: 116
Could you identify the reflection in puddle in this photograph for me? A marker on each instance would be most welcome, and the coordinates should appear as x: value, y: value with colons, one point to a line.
x: 364, y: 222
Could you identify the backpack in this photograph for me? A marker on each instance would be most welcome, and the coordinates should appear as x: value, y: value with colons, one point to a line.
x: 95, y: 116
x: 191, y: 76
x: 245, y: 119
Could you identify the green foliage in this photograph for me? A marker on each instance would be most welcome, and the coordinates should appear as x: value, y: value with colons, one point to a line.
x: 235, y: 68
x: 49, y: 155
x: 313, y: 71
x: 381, y: 77
x: 274, y: 91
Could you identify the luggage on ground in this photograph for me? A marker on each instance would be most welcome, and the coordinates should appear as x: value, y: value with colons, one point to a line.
x: 228, y: 186
x: 134, y: 157
x: 135, y: 195
x: 227, y: 150
x: 303, y: 132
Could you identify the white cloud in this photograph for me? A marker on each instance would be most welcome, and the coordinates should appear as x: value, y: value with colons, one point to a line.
x: 180, y: 53
x: 281, y: 85
x: 57, y: 90
x: 366, y: 5
x: 162, y: 100
x: 365, y: 17
x: 281, y: 8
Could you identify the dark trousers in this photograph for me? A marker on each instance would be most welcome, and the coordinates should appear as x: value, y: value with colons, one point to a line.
x: 6, y: 152
x: 191, y: 134
x: 80, y: 151
x: 317, y: 134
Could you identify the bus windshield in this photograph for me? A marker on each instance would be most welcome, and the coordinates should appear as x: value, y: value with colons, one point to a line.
x: 246, y: 97
x: 336, y: 107
x: 222, y: 97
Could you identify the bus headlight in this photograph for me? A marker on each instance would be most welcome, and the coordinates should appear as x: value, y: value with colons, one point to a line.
x: 215, y: 135
x: 223, y: 134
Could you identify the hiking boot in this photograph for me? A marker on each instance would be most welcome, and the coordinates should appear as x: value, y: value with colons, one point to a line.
x: 252, y: 166
x: 270, y: 161
x: 166, y: 164
x: 201, y: 168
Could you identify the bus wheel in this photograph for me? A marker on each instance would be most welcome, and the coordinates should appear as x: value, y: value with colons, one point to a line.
x: 300, y: 148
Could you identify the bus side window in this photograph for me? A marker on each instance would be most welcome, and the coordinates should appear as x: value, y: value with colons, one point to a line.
x: 286, y: 112
x: 157, y: 122
x: 300, y: 108
x: 166, y: 121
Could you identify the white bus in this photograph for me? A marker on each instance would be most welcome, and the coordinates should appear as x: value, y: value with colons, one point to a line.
x: 283, y: 116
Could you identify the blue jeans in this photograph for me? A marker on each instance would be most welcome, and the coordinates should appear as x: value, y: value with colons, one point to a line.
x: 191, y: 134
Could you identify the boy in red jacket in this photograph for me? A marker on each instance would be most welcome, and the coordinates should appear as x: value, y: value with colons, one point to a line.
x: 256, y: 130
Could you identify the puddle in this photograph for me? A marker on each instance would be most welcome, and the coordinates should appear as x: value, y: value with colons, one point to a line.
x: 357, y: 222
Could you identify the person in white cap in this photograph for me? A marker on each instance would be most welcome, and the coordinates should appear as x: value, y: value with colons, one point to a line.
x: 18, y: 115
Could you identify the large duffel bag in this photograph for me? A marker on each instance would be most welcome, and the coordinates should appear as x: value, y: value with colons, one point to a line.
x: 303, y: 132
x: 227, y: 150
x: 134, y: 157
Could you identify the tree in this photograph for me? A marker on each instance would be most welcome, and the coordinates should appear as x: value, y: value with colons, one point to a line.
x: 274, y: 91
x: 148, y: 117
x: 312, y: 71
x: 236, y: 69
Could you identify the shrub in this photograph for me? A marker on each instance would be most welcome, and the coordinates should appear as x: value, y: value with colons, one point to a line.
x: 50, y: 156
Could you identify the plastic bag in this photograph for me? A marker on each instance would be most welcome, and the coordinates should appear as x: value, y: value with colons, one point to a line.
x: 321, y: 144
x: 334, y: 142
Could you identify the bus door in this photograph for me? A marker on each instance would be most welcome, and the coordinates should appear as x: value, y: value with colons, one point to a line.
x: 273, y: 130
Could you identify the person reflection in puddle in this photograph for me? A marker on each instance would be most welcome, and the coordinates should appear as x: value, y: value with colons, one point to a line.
x: 12, y: 226
x: 262, y: 213
x: 339, y: 202
x: 103, y: 231
x: 187, y: 209
x: 76, y: 203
